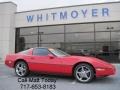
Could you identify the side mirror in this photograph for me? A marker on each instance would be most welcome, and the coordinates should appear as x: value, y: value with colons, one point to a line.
x: 50, y: 56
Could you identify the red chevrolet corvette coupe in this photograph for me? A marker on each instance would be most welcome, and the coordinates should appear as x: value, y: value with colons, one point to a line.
x: 54, y: 61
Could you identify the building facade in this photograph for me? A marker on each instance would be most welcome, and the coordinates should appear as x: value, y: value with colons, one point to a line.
x: 92, y: 29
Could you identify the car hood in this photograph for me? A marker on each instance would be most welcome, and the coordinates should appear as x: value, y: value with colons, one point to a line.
x: 92, y: 60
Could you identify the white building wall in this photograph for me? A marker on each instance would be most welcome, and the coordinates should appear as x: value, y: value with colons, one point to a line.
x: 7, y: 28
x: 9, y: 20
x: 75, y: 14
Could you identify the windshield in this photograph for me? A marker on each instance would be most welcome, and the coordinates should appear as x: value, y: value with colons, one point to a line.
x: 58, y: 52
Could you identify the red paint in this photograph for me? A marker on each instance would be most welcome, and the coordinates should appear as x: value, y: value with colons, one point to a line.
x: 60, y: 65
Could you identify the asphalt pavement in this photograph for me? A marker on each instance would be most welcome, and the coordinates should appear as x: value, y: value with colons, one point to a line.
x: 36, y: 81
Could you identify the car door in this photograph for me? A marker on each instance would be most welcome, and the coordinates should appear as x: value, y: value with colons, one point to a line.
x: 44, y: 61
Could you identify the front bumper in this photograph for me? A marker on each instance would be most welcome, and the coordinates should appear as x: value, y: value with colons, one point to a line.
x: 9, y: 63
x: 100, y: 71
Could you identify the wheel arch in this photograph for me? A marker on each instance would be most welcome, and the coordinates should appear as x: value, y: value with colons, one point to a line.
x: 18, y: 60
x: 84, y: 63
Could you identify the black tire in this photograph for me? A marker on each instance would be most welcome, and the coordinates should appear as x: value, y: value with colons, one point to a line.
x: 21, y: 69
x: 86, y: 75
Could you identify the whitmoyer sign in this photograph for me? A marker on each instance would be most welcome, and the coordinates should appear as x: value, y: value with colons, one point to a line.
x: 67, y: 15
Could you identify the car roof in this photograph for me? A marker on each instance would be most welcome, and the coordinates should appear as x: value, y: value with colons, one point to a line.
x: 41, y: 47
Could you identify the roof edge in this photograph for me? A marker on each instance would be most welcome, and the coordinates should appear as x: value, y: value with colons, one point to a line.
x: 68, y: 6
x: 8, y: 2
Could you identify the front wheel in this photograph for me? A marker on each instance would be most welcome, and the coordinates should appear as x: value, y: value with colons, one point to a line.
x: 21, y: 69
x: 84, y: 73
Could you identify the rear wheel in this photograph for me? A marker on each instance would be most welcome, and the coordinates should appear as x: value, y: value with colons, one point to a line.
x: 21, y: 69
x: 84, y: 73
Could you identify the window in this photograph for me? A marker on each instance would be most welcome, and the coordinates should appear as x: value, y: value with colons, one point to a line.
x: 80, y: 28
x: 105, y: 26
x: 29, y: 39
x: 52, y: 38
x: 52, y: 29
x: 102, y: 36
x: 58, y: 52
x: 79, y: 37
x: 29, y: 31
x: 99, y: 39
x: 115, y: 36
x: 40, y: 52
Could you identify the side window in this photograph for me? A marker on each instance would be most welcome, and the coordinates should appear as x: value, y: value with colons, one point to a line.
x: 40, y: 52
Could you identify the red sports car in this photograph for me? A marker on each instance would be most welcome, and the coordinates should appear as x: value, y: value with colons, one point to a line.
x: 54, y: 61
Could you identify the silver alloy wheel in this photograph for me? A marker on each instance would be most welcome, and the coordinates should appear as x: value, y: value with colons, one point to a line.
x: 21, y: 69
x: 83, y: 73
